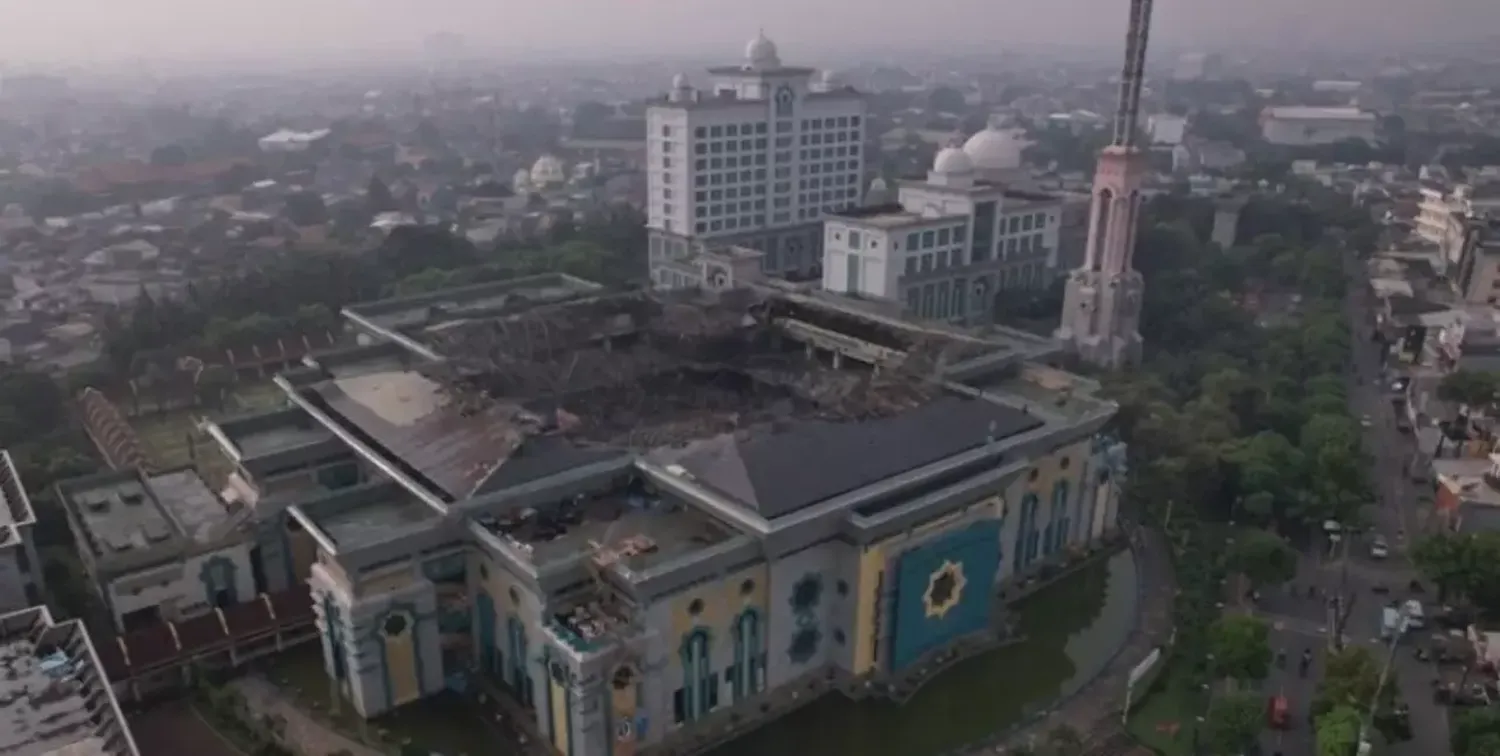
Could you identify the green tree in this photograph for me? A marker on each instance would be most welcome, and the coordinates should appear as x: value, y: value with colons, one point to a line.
x: 1233, y: 722
x: 1337, y: 731
x: 1350, y: 678
x: 1474, y: 730
x: 1463, y: 564
x: 306, y: 208
x: 1263, y: 557
x: 1241, y: 648
x: 1445, y: 559
x: 1472, y: 388
x: 378, y: 197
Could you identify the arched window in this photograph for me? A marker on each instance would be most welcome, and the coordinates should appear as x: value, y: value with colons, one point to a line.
x: 1059, y: 522
x: 333, y: 623
x: 699, y: 693
x: 1026, y: 535
x: 749, y: 664
x: 1103, y: 205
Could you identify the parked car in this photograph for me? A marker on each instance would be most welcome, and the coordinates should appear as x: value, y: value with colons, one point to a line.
x: 1379, y: 549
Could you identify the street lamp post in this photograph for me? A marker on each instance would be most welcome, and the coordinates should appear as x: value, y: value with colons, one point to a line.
x: 1404, y: 618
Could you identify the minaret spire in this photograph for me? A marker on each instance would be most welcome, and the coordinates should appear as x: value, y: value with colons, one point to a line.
x: 1102, y: 304
x: 1132, y: 75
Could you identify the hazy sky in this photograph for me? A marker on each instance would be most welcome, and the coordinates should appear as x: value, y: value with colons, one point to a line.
x: 100, y: 30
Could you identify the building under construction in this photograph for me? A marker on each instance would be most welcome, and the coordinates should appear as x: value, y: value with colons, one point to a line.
x: 641, y: 512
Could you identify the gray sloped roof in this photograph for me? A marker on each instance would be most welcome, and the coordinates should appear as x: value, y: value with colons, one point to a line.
x: 780, y: 473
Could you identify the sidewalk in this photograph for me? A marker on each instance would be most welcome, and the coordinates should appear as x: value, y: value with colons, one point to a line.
x: 304, y: 733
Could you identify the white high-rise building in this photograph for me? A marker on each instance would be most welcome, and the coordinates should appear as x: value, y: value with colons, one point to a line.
x: 754, y: 159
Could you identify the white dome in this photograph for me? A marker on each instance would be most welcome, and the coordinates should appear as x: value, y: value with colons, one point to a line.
x: 953, y: 162
x: 994, y: 149
x: 761, y: 52
x: 878, y: 185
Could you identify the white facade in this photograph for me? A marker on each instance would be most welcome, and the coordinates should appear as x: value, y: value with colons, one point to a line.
x: 754, y: 159
x: 1442, y: 213
x: 20, y: 576
x: 1307, y: 126
x: 946, y: 246
x: 21, y: 583
x: 287, y: 140
x: 177, y: 590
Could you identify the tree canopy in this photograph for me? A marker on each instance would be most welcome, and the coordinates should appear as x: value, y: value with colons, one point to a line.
x: 1234, y: 722
x: 1472, y: 388
x: 1263, y: 557
x: 1241, y: 405
x: 300, y: 292
x: 1337, y: 732
x: 1476, y: 732
x: 1241, y: 647
x: 1464, y: 566
x: 1351, y: 676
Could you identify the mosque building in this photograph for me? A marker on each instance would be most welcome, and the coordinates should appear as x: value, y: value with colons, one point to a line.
x: 643, y: 513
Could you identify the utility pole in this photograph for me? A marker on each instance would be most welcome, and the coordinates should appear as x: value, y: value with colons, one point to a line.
x: 1385, y: 672
x: 1343, y: 605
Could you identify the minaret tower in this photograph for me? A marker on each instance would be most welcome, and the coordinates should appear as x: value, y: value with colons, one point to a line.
x: 1102, y: 304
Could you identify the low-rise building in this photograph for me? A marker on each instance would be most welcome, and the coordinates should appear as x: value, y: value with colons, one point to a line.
x: 55, y: 699
x: 1304, y: 126
x: 948, y: 246
x: 1478, y: 264
x: 162, y: 547
x: 21, y: 581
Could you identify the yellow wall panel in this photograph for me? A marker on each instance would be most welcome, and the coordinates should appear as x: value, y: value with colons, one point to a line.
x: 722, y: 601
x: 871, y: 565
x: 559, y: 698
x: 401, y: 666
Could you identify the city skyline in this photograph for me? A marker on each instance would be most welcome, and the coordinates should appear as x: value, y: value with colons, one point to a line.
x: 86, y: 31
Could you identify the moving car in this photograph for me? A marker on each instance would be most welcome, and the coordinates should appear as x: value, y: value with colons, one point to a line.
x: 1416, y: 619
x: 1379, y: 549
x: 1276, y: 712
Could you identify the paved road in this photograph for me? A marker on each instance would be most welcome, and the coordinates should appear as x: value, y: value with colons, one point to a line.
x: 1395, y: 515
x: 1300, y: 615
x: 174, y: 729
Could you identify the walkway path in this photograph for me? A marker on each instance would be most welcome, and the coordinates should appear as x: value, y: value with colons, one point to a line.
x: 303, y: 732
x: 1094, y: 709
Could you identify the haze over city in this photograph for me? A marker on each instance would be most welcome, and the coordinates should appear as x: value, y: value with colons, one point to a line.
x: 782, y: 378
x: 295, y: 31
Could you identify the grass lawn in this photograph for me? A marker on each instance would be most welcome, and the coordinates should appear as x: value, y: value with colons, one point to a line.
x: 299, y: 673
x: 254, y: 396
x: 164, y: 437
x: 1169, y: 704
x: 168, y: 437
x: 444, y: 723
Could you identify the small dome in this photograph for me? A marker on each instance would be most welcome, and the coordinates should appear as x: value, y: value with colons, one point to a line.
x: 994, y: 149
x: 878, y: 185
x: 680, y: 81
x: 953, y: 162
x: 761, y: 52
